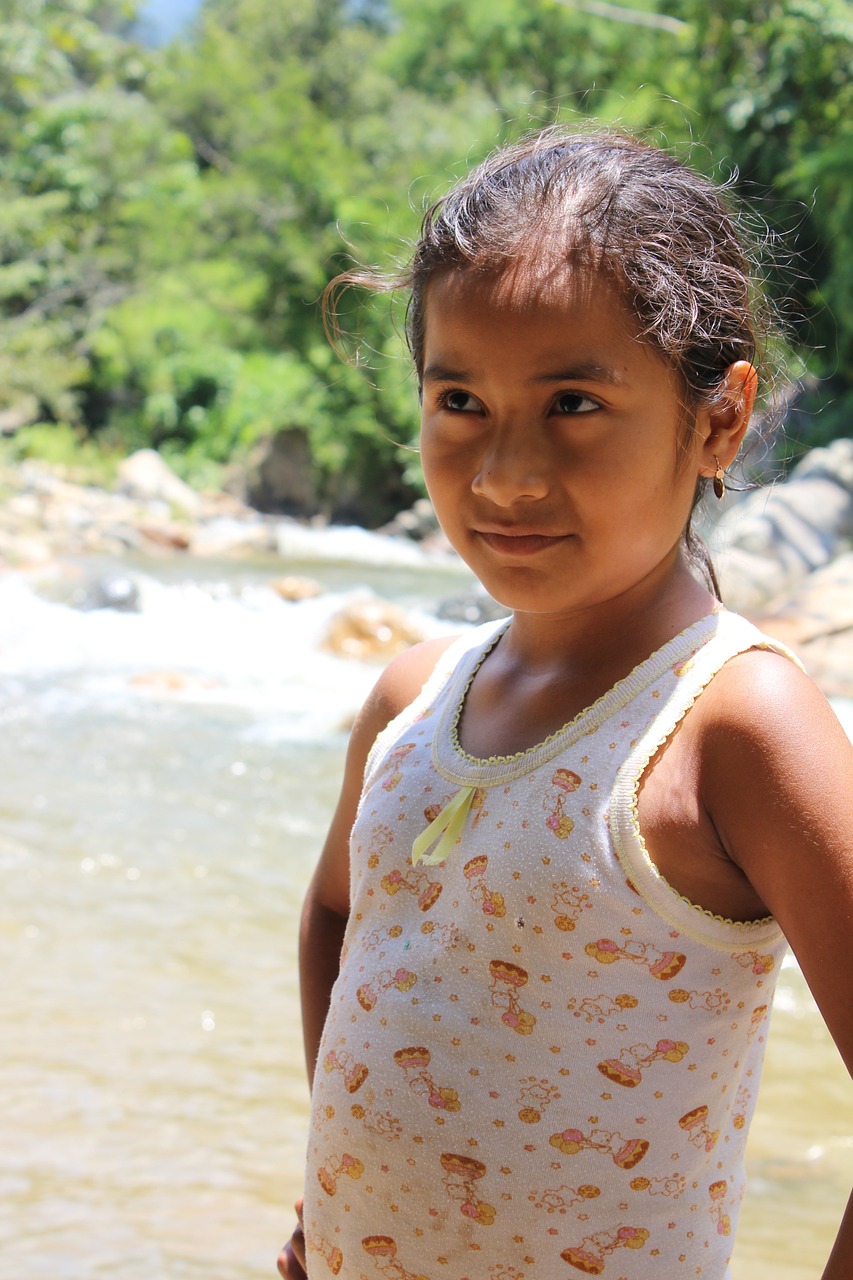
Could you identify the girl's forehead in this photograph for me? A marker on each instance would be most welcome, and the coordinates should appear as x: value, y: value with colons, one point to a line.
x: 526, y: 322
x: 525, y: 290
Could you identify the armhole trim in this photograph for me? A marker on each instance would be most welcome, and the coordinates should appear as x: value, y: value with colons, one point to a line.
x: 738, y: 636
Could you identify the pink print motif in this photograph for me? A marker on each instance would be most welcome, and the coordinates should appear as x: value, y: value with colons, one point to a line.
x: 599, y: 1008
x: 445, y: 935
x: 382, y: 837
x: 686, y: 664
x: 462, y: 1173
x: 323, y: 1116
x: 369, y: 993
x: 415, y: 881
x: 589, y: 1256
x: 491, y: 902
x: 376, y: 938
x: 625, y: 1153
x: 478, y: 806
x: 561, y: 1199
x: 354, y: 1073
x: 673, y: 1187
x: 330, y: 1253
x: 743, y: 1097
x: 563, y: 783
x: 391, y: 766
x: 695, y: 1125
x: 507, y: 981
x: 663, y: 965
x: 381, y: 1122
x: 414, y: 1063
x: 716, y: 1001
x: 478, y: 809
x: 756, y: 1019
x: 629, y: 1074
x: 535, y: 1095
x: 717, y: 1192
x: 329, y: 1174
x: 383, y: 1251
x: 567, y: 905
x: 759, y: 965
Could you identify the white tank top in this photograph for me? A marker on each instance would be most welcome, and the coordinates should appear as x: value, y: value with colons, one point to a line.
x: 539, y: 1060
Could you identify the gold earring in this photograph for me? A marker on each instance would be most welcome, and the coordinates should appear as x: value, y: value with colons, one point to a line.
x: 719, y: 480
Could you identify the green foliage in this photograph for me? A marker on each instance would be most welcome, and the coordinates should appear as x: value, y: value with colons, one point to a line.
x: 770, y: 91
x: 169, y: 219
x: 72, y: 454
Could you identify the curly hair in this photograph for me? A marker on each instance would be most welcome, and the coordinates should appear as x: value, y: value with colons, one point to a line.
x: 667, y: 238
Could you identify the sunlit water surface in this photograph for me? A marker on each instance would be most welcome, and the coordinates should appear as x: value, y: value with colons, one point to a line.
x: 165, y: 781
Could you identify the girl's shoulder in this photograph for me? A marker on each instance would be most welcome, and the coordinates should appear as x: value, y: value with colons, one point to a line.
x: 760, y: 694
x: 411, y: 682
x: 419, y: 672
x: 397, y: 688
x: 775, y: 771
x: 406, y: 676
x: 762, y: 716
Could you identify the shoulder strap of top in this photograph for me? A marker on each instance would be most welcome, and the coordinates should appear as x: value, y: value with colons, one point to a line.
x: 470, y: 642
x: 733, y: 635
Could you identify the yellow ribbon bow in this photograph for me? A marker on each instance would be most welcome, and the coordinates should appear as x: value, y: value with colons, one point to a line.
x: 447, y: 828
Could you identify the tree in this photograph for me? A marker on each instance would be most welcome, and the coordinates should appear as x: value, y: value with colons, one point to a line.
x: 86, y: 170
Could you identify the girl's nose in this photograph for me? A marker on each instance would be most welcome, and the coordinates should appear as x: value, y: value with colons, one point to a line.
x: 510, y: 471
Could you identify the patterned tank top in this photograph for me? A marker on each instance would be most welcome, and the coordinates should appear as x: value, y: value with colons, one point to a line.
x: 539, y: 1059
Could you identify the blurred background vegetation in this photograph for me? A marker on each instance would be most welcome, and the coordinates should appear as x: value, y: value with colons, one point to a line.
x: 174, y: 199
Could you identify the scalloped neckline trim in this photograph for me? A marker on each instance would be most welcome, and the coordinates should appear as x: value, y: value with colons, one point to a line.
x: 457, y: 765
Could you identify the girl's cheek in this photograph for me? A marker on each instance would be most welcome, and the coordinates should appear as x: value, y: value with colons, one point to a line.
x: 447, y: 449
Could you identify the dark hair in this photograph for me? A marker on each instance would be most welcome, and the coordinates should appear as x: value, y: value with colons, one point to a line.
x: 661, y: 233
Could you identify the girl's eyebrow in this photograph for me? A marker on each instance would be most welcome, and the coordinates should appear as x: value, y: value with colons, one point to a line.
x: 442, y: 373
x: 586, y: 371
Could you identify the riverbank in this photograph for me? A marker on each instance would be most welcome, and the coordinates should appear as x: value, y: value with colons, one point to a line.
x: 785, y: 554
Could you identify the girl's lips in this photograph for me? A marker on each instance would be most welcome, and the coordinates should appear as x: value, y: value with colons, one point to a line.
x: 520, y: 544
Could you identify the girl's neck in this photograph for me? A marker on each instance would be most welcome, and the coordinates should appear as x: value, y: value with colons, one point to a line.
x: 547, y: 669
x: 613, y: 634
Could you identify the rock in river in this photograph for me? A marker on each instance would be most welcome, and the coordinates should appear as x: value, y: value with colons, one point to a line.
x: 371, y: 630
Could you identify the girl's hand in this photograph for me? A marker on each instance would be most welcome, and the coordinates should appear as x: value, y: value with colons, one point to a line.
x: 291, y: 1260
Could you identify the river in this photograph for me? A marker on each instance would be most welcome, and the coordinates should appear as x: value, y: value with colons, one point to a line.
x: 166, y: 776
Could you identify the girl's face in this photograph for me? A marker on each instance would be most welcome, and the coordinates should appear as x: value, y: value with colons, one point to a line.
x: 552, y: 441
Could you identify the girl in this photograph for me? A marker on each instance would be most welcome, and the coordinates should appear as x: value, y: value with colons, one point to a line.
x: 540, y: 945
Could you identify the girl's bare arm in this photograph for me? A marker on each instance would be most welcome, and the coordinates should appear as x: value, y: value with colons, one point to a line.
x: 777, y: 782
x: 326, y: 908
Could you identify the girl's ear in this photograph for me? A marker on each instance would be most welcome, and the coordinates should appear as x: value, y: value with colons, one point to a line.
x: 728, y: 418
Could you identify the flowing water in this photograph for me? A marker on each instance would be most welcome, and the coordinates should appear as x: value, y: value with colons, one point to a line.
x: 166, y: 777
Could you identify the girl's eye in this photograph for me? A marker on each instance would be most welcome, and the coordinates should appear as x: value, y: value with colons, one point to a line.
x: 460, y: 402
x: 574, y: 402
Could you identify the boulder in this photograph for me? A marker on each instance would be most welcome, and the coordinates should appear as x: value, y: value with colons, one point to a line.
x: 165, y: 535
x: 280, y: 477
x: 419, y: 524
x: 474, y: 607
x: 816, y: 620
x: 774, y: 538
x: 371, y: 630
x: 110, y: 591
x: 225, y: 537
x: 294, y: 589
x: 146, y: 477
